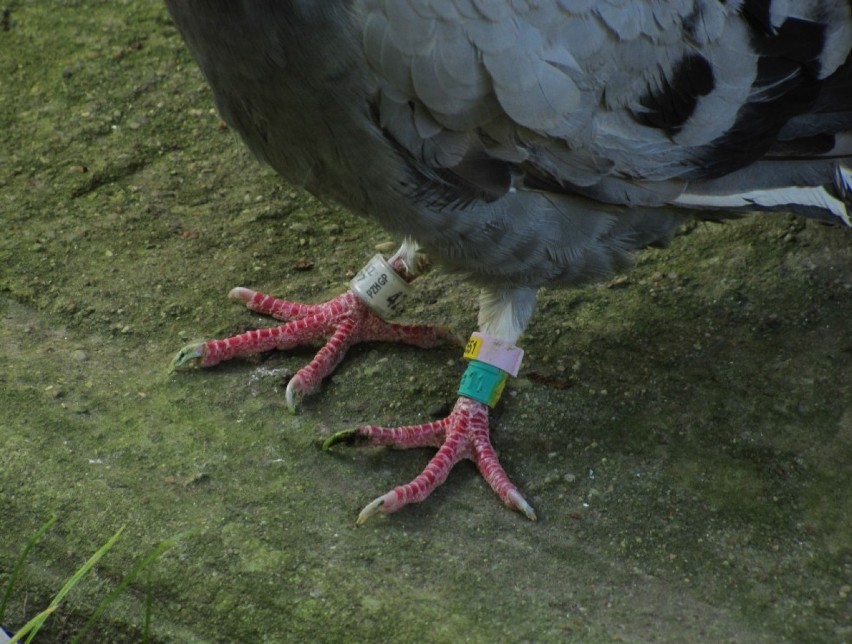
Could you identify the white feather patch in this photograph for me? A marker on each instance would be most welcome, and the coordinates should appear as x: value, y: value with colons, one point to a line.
x: 843, y: 181
x: 778, y: 198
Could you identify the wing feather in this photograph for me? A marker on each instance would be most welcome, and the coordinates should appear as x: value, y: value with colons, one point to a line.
x: 604, y: 98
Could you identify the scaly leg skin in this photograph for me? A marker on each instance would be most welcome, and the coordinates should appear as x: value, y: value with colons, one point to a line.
x: 462, y: 434
x: 344, y: 321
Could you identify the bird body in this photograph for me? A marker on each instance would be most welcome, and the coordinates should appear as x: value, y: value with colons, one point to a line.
x: 530, y: 143
x: 538, y: 143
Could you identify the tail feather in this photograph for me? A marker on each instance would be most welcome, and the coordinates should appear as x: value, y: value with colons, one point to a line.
x: 829, y: 201
x: 807, y: 169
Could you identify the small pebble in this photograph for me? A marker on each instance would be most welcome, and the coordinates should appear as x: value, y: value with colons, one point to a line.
x: 54, y: 391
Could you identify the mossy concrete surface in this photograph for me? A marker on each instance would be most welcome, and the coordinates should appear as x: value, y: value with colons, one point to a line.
x: 684, y: 431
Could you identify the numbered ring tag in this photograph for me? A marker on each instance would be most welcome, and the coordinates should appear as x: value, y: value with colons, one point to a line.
x: 494, y: 351
x: 381, y: 288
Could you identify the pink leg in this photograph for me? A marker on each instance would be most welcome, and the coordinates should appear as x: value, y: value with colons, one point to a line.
x: 462, y: 434
x: 343, y: 321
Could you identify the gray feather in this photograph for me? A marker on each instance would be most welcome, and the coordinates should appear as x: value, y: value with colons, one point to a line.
x: 527, y: 143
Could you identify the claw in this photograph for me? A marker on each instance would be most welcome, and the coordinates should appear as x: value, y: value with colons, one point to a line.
x: 520, y: 504
x: 373, y: 507
x: 292, y: 395
x: 347, y: 436
x: 241, y: 293
x: 190, y: 357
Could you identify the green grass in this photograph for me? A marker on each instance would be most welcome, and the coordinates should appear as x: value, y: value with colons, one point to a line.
x: 34, y: 625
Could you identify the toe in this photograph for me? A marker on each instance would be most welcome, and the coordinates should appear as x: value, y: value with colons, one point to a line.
x: 190, y: 357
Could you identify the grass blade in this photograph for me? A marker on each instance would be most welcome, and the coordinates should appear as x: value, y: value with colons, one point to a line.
x: 19, y: 565
x: 165, y: 545
x: 72, y: 581
x: 26, y: 628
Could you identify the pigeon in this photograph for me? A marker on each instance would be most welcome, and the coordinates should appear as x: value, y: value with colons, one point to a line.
x: 519, y: 144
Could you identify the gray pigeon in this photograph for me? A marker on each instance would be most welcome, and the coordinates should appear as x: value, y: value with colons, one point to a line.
x: 521, y: 144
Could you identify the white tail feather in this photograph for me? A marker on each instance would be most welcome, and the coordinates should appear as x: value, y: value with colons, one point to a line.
x: 795, y: 198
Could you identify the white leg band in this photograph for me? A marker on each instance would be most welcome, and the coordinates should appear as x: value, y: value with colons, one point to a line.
x: 381, y: 288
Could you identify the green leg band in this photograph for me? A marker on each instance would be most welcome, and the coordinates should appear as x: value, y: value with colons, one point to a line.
x: 483, y: 383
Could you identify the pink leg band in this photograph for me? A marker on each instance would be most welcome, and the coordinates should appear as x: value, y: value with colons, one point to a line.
x: 494, y: 351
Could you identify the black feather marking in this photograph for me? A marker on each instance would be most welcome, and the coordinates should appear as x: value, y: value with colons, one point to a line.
x: 476, y: 178
x: 806, y: 147
x: 832, y: 111
x: 758, y: 13
x: 670, y: 105
x: 490, y: 177
x: 755, y: 130
x: 787, y: 85
x: 798, y: 41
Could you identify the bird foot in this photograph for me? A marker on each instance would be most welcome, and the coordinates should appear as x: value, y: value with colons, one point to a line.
x: 462, y: 434
x: 342, y: 322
